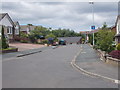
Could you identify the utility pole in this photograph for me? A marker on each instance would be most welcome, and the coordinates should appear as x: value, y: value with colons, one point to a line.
x: 119, y: 8
x: 91, y: 2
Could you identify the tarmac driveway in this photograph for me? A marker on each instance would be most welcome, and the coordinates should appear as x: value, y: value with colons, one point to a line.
x: 26, y: 46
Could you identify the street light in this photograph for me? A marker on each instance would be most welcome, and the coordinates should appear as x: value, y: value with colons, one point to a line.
x: 91, y: 2
x: 119, y: 8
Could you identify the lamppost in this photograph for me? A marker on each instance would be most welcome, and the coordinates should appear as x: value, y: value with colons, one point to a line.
x: 92, y: 3
x: 119, y: 8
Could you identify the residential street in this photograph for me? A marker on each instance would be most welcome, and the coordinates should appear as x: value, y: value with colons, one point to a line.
x: 50, y: 68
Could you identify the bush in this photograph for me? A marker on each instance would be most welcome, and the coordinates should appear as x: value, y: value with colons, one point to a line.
x: 115, y: 54
x: 32, y: 39
x: 95, y: 47
x: 24, y: 40
x: 45, y: 41
x: 118, y: 46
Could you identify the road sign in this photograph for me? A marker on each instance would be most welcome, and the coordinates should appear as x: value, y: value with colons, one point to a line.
x: 93, y: 27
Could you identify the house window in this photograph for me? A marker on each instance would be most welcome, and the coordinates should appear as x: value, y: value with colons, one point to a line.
x: 9, y: 30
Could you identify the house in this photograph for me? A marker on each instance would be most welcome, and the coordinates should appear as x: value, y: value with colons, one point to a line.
x: 26, y: 28
x: 16, y: 31
x: 117, y: 36
x: 71, y: 39
x: 7, y: 23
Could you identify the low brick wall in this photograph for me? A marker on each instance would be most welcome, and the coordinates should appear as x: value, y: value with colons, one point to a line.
x: 114, y: 61
x: 102, y: 55
x: 106, y: 58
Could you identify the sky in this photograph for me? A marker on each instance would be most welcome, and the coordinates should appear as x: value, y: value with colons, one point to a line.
x: 76, y: 16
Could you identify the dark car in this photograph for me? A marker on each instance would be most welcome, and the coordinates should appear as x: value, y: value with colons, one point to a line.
x: 62, y: 42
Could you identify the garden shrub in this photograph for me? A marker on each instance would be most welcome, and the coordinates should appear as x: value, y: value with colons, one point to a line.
x: 45, y: 41
x: 115, y: 54
x: 118, y: 46
x: 24, y: 40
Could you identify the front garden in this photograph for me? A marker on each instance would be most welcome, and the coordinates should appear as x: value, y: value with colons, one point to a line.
x: 4, y: 45
x: 104, y: 41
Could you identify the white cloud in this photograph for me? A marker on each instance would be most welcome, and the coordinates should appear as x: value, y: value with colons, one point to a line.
x: 73, y: 15
x: 60, y: 0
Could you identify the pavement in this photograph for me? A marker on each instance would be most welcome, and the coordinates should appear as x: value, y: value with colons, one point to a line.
x: 49, y: 69
x: 25, y: 46
x: 89, y: 60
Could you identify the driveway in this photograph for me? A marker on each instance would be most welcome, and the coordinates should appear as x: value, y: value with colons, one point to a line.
x: 26, y: 46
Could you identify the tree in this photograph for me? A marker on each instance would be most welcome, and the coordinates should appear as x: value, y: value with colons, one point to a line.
x: 91, y: 38
x: 104, y: 26
x: 65, y: 33
x: 50, y: 36
x: 104, y: 40
x: 39, y: 30
x: 29, y: 24
x: 3, y: 40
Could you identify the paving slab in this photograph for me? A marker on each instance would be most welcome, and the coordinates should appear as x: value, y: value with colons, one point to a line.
x: 89, y: 60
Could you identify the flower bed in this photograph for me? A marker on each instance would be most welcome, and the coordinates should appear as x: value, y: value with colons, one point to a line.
x: 115, y: 54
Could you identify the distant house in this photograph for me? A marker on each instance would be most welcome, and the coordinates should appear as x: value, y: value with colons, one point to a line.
x: 71, y: 39
x: 26, y: 28
x: 7, y: 23
x: 16, y: 30
x: 117, y: 36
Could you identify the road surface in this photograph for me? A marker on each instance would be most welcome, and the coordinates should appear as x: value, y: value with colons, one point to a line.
x: 49, y: 69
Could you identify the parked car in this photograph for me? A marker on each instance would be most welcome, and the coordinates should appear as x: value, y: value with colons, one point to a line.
x: 62, y: 42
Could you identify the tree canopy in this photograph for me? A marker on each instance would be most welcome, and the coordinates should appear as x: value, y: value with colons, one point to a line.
x: 104, y: 38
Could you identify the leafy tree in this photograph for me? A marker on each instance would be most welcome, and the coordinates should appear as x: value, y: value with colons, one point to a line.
x: 39, y: 30
x: 3, y: 40
x: 104, y: 40
x: 23, y: 35
x: 30, y: 25
x: 65, y: 33
x: 50, y: 36
x: 104, y: 26
x: 91, y: 38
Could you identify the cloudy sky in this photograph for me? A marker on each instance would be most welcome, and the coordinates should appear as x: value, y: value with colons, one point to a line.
x: 72, y: 15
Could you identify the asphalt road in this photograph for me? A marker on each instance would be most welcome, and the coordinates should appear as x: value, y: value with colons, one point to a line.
x: 49, y: 69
